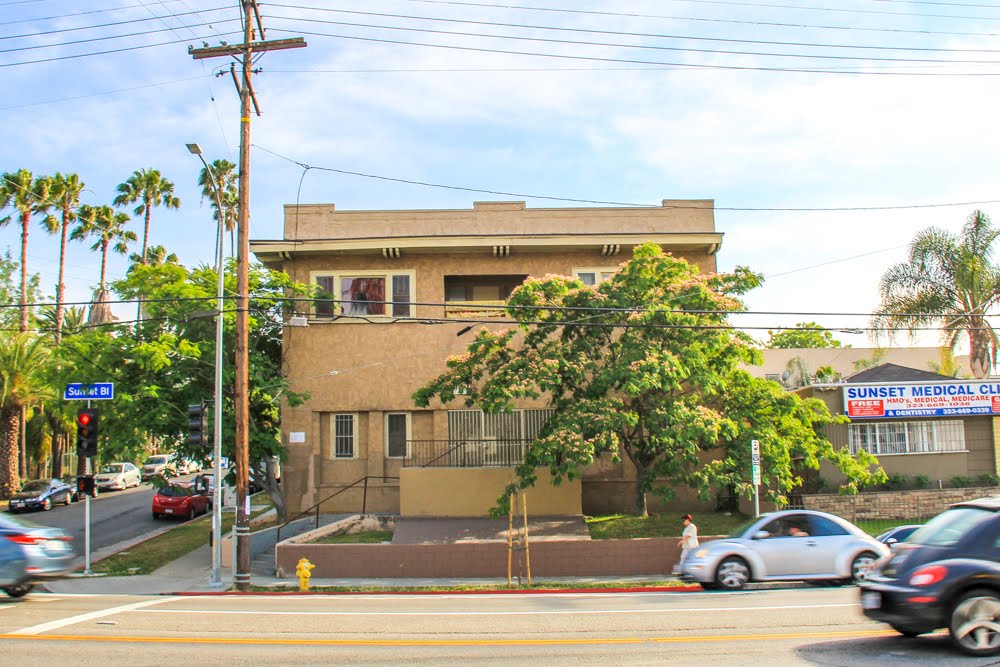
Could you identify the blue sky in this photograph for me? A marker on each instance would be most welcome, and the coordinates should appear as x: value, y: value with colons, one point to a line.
x: 895, y: 118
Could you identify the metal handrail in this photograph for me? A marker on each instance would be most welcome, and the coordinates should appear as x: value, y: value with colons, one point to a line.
x: 364, y: 500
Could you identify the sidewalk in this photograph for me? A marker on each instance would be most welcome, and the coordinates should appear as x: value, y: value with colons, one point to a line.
x: 192, y: 573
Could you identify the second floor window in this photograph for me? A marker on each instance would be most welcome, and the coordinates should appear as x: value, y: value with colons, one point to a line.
x: 364, y: 294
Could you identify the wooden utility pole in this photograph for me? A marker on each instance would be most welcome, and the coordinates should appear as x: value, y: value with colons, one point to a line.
x: 243, y: 54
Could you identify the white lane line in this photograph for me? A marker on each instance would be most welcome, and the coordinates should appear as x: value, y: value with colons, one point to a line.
x: 567, y: 612
x: 80, y: 618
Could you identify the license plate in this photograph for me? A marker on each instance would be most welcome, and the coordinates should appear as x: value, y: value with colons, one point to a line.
x: 871, y: 600
x: 56, y: 546
x: 168, y: 511
x: 17, y: 503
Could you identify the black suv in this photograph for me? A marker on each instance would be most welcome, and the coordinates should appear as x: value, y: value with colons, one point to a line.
x: 945, y: 575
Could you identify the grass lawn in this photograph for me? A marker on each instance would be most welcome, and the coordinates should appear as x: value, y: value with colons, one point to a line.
x: 624, y: 526
x: 148, y: 556
x: 365, y: 537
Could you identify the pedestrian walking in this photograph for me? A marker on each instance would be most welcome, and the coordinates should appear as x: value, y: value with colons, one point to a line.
x: 688, y: 542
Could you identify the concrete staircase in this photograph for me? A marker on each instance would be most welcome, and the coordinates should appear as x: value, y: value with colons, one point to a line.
x: 262, y: 542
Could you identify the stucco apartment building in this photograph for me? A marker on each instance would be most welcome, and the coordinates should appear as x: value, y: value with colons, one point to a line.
x: 402, y: 290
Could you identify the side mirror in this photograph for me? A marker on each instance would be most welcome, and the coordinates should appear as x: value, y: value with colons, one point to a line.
x: 891, y: 541
x: 761, y: 535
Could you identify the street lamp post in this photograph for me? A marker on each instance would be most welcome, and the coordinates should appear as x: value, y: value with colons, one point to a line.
x: 195, y: 149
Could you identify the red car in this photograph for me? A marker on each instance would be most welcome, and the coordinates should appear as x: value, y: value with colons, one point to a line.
x: 179, y: 500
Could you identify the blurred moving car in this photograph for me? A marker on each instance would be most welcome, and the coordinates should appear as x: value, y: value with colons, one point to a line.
x: 179, y: 500
x: 894, y: 536
x: 946, y: 575
x: 30, y: 553
x: 41, y: 494
x: 118, y: 476
x: 158, y: 465
x: 785, y: 546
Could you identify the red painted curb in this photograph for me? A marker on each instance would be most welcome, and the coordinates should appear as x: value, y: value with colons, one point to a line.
x: 540, y: 591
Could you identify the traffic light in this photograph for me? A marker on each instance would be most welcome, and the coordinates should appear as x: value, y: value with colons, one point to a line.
x: 87, y: 421
x: 197, y: 435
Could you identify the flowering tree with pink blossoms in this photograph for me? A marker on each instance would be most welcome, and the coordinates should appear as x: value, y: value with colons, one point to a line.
x: 644, y: 365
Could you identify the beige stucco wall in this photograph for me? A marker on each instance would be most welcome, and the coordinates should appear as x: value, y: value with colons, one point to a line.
x: 465, y: 492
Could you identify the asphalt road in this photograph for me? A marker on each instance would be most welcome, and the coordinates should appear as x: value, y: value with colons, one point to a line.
x: 115, y: 517
x: 792, y: 626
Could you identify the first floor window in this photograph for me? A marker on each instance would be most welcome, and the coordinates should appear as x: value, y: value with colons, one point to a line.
x: 917, y: 437
x: 343, y: 436
x: 396, y: 434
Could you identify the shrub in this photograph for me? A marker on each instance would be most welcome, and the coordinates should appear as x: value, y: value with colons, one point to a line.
x: 988, y: 479
x: 960, y: 481
x: 815, y: 485
x: 897, y: 482
x: 922, y: 481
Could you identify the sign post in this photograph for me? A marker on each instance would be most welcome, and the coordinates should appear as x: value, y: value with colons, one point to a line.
x: 755, y: 472
x: 94, y: 391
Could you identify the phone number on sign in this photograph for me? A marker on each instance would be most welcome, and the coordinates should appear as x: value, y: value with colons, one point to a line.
x: 966, y: 411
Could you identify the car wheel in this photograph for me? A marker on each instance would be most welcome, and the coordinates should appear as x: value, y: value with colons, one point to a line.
x: 862, y: 563
x: 47, y: 504
x: 732, y: 574
x: 68, y: 499
x: 18, y: 591
x: 975, y: 623
x: 908, y: 631
x: 191, y: 513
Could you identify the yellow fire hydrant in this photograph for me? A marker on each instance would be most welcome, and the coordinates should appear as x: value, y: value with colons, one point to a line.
x: 304, y: 571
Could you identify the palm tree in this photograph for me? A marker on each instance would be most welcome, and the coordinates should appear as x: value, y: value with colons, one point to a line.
x: 149, y: 189
x: 156, y: 255
x: 22, y: 360
x: 108, y: 228
x: 65, y: 194
x: 950, y: 280
x: 28, y: 196
x: 229, y: 194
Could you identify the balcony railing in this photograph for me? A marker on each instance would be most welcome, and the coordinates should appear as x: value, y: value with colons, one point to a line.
x: 463, y: 309
x: 465, y: 453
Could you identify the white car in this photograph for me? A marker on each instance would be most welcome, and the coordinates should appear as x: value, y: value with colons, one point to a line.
x: 785, y: 546
x: 161, y: 465
x: 118, y: 476
x: 187, y: 466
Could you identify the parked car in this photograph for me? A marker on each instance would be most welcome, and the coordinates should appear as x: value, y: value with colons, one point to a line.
x: 945, y: 575
x: 41, y: 494
x: 179, y: 500
x: 30, y: 553
x: 158, y: 465
x: 783, y: 546
x: 895, y: 536
x: 187, y: 466
x: 118, y: 476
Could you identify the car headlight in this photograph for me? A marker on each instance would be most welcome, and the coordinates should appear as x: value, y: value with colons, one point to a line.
x: 701, y: 553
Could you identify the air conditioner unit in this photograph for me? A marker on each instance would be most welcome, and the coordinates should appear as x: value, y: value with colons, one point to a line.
x: 298, y: 321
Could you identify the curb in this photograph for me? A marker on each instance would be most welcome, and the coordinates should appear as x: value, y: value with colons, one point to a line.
x: 538, y: 591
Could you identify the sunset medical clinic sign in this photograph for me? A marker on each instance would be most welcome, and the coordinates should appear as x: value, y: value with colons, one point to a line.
x: 931, y: 399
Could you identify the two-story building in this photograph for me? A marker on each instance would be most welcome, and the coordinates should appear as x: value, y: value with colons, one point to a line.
x: 399, y: 293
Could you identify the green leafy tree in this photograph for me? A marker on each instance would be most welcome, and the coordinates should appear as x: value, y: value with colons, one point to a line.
x: 23, y: 360
x: 65, y: 196
x: 9, y: 317
x: 28, y: 196
x: 805, y: 335
x: 950, y: 281
x: 641, y: 365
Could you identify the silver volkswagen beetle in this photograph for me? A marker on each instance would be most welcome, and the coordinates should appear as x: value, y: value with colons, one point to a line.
x: 789, y: 545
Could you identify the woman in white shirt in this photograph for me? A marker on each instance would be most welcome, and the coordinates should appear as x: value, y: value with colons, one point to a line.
x: 688, y: 542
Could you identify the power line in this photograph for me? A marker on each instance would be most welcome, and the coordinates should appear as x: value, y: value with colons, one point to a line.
x: 697, y: 66
x: 109, y: 25
x: 609, y: 32
x: 101, y: 53
x: 108, y: 38
x: 617, y: 203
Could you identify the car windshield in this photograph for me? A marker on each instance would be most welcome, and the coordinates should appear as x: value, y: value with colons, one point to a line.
x: 113, y: 467
x: 155, y: 460
x: 744, y: 527
x: 174, y: 491
x: 950, y: 526
x: 37, y: 485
